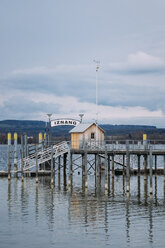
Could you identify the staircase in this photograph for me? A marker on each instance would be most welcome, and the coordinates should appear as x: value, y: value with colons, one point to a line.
x: 43, y: 155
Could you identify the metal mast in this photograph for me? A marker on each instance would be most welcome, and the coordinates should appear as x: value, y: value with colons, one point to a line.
x: 97, y: 68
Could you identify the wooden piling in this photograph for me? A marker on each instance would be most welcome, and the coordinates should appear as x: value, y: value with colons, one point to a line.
x: 128, y: 166
x: 106, y: 169
x: 164, y: 168
x: 59, y: 164
x: 9, y: 156
x: 36, y: 164
x: 64, y: 163
x: 123, y: 164
x: 15, y: 155
x: 52, y: 166
x: 145, y: 167
x: 138, y: 156
x: 97, y: 164
x: 151, y: 164
x: 22, y: 157
x: 70, y: 168
x: 155, y: 164
x: 113, y: 161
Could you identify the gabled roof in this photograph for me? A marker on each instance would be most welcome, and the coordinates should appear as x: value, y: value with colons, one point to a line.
x: 82, y: 127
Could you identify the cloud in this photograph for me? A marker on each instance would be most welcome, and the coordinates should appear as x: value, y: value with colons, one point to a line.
x: 37, y: 105
x: 139, y: 63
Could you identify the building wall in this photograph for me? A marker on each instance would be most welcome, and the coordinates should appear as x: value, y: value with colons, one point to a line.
x: 77, y: 139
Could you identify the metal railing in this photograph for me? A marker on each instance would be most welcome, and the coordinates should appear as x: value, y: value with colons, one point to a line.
x: 42, y: 155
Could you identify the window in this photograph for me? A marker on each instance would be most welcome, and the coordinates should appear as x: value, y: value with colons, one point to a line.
x: 92, y: 135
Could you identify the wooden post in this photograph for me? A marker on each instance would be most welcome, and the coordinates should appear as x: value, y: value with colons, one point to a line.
x: 128, y: 166
x: 22, y: 157
x: 70, y: 168
x: 9, y: 158
x: 155, y: 164
x: 113, y: 165
x: 52, y: 166
x: 15, y: 155
x: 106, y: 169
x: 59, y: 164
x: 86, y: 174
x: 97, y: 164
x: 109, y: 166
x: 138, y: 156
x: 145, y: 167
x: 64, y: 163
x: 123, y: 164
x: 25, y: 144
x: 36, y: 164
x: 164, y: 168
x: 151, y: 164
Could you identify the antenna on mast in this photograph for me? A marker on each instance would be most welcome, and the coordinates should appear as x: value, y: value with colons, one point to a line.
x: 97, y: 62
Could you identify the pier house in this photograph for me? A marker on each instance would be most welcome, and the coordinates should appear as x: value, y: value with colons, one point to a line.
x: 86, y: 134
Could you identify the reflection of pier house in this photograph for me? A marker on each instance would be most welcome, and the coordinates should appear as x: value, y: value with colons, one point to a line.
x: 85, y: 134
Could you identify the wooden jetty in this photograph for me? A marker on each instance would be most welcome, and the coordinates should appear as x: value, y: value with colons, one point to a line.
x: 46, y: 158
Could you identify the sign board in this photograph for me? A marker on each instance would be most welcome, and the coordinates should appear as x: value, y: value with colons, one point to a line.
x: 64, y: 122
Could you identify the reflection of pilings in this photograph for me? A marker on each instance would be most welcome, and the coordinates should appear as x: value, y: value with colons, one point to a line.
x: 9, y: 158
x: 138, y: 181
x: 138, y: 156
x: 106, y: 169
x: 128, y: 167
x: 113, y: 186
x: 150, y: 221
x: 36, y: 203
x: 145, y: 190
x: 151, y: 164
x: 15, y: 155
x: 127, y: 217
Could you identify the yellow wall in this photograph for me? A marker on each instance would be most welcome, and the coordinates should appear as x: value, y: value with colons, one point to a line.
x: 78, y: 138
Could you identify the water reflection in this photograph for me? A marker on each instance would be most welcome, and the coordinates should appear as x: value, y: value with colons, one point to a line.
x: 87, y: 209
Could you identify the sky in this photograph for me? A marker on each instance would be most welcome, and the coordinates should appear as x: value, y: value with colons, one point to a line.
x: 47, y: 53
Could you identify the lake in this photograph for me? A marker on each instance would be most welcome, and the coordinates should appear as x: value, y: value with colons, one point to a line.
x: 43, y: 216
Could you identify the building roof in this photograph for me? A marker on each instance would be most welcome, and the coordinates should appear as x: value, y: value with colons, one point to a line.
x: 82, y: 127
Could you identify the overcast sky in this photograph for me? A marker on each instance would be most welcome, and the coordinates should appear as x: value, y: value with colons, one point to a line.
x: 47, y: 48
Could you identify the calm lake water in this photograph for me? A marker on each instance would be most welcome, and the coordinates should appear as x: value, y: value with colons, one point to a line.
x: 40, y: 216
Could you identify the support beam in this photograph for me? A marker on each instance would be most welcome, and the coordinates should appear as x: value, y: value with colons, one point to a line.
x: 155, y: 164
x: 36, y: 164
x: 106, y: 169
x: 70, y: 168
x: 22, y: 157
x: 138, y: 156
x: 15, y: 155
x: 9, y: 156
x: 52, y: 166
x: 113, y: 165
x: 151, y: 164
x: 128, y: 166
